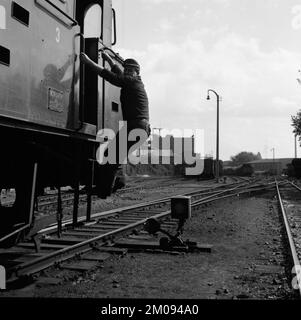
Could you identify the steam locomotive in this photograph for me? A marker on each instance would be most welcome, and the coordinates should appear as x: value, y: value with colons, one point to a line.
x: 51, y: 106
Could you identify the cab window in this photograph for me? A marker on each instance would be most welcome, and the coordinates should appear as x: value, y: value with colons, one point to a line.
x: 93, y: 22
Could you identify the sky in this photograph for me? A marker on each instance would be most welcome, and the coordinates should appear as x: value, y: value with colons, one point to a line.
x: 248, y: 51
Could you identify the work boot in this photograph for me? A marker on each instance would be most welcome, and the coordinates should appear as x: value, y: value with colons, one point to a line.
x: 105, y: 186
x: 120, y: 180
x: 119, y: 183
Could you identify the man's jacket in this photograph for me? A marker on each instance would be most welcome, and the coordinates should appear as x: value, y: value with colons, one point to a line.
x: 133, y: 97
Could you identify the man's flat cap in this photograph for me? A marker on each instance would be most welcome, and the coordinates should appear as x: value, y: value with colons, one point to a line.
x: 131, y: 63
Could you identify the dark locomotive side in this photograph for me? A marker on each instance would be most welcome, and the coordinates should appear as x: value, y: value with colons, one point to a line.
x: 51, y: 107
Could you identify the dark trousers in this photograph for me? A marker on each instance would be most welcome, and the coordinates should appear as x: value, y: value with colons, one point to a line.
x: 106, y: 174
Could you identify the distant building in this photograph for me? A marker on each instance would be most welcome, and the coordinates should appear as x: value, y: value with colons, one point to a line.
x: 228, y: 163
x: 170, y: 149
x: 275, y: 166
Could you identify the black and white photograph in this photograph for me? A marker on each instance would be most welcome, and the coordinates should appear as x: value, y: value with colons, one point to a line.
x: 150, y: 156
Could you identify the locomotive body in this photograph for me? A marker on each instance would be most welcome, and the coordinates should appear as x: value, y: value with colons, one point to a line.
x: 51, y: 106
x: 41, y: 80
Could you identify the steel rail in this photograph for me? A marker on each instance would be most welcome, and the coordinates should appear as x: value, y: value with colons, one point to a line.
x: 140, y: 205
x: 41, y: 263
x: 50, y: 200
x: 132, y: 207
x: 295, y: 186
x: 199, y: 202
x: 289, y: 235
x: 47, y: 260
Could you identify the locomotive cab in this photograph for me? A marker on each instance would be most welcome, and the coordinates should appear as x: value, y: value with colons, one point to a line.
x: 100, y: 107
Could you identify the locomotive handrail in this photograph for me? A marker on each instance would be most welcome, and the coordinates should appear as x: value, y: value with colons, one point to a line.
x: 116, y: 55
x: 74, y: 22
x: 82, y: 86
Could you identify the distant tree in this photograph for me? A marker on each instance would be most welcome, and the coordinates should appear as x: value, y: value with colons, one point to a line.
x: 244, y: 157
x: 296, y: 123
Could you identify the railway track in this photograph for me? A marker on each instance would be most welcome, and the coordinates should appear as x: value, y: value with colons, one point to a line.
x: 48, y: 203
x: 289, y: 197
x: 87, y: 239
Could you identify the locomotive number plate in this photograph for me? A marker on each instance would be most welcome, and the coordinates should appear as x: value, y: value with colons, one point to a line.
x: 55, y: 100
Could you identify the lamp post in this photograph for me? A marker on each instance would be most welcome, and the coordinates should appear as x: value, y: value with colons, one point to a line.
x: 217, y: 134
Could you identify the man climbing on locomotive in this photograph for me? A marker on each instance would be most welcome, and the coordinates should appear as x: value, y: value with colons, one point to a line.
x: 134, y: 104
